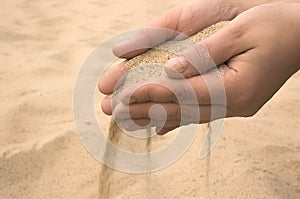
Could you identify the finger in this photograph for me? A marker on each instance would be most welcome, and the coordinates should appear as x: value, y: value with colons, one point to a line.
x: 200, y: 58
x: 148, y: 92
x: 165, y: 130
x: 191, y: 62
x: 185, y: 114
x: 162, y: 90
x: 143, y: 40
x: 133, y: 125
x: 158, y: 31
x: 107, y: 105
x: 146, y: 111
x: 178, y: 23
x: 233, y: 39
x: 113, y: 79
x: 196, y: 90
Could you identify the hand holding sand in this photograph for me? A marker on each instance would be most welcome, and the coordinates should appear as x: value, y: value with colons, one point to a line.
x: 260, y: 58
x: 187, y: 18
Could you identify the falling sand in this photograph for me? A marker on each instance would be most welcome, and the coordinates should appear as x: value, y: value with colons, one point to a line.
x: 106, y: 172
x: 141, y: 68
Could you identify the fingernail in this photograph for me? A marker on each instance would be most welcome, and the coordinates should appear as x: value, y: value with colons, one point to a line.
x: 121, y: 44
x: 178, y: 63
x: 121, y: 48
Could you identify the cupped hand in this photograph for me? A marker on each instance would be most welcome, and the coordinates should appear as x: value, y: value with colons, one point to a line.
x: 261, y: 48
x: 187, y: 18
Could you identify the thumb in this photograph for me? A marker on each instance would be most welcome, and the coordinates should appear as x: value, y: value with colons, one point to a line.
x: 192, y: 61
x: 209, y: 53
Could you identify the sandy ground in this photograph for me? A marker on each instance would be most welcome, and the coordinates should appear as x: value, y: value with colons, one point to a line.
x: 43, y: 43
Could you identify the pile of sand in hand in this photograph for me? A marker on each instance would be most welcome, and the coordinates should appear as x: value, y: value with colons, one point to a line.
x: 141, y: 68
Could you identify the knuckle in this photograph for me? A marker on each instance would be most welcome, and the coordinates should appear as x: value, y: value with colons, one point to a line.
x: 235, y: 32
x: 234, y: 35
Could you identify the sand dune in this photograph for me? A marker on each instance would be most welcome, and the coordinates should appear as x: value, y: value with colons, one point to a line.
x: 43, y: 43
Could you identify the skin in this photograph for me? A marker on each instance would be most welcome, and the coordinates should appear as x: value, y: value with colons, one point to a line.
x: 260, y: 45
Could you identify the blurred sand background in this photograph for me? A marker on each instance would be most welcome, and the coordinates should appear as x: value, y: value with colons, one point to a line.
x: 43, y: 43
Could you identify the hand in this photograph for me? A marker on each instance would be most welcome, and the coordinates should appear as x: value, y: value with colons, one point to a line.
x: 187, y: 18
x: 202, y: 13
x: 261, y: 57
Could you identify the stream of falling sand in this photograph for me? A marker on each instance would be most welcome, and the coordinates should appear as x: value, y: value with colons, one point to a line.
x: 207, y: 171
x: 106, y: 173
x: 105, y: 177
